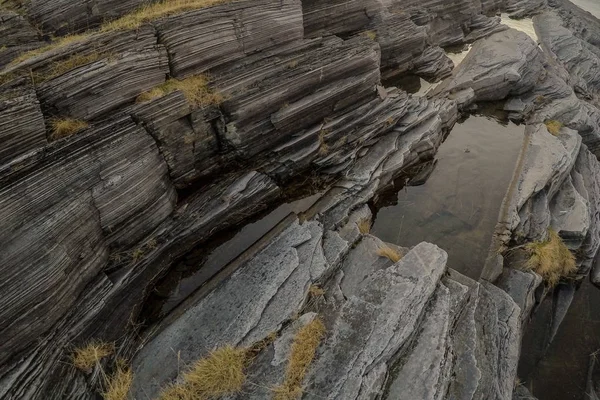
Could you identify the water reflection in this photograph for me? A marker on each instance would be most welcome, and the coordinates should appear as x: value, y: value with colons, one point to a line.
x: 201, y: 265
x: 418, y: 86
x: 591, y: 6
x: 560, y: 373
x: 523, y: 25
x: 458, y: 54
x: 457, y: 206
x: 411, y: 84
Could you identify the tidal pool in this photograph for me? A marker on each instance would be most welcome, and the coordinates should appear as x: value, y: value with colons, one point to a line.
x: 457, y: 207
x: 523, y: 25
x: 458, y: 54
x: 591, y: 6
x: 560, y: 371
x: 201, y: 265
x: 418, y: 86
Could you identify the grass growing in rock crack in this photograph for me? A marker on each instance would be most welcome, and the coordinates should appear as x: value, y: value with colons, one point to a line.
x: 364, y: 225
x: 119, y: 383
x: 387, y: 251
x: 58, y: 43
x: 302, y: 354
x: 195, y: 89
x: 370, y: 34
x: 87, y: 357
x: 551, y: 259
x: 323, y: 146
x: 131, y: 21
x: 63, y: 127
x: 154, y: 11
x: 553, y: 126
x: 5, y: 78
x: 316, y: 291
x: 76, y: 60
x: 220, y: 373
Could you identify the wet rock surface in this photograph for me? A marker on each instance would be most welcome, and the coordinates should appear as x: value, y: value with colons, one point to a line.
x: 91, y: 222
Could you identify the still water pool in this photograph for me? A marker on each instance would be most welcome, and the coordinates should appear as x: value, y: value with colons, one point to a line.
x: 457, y: 207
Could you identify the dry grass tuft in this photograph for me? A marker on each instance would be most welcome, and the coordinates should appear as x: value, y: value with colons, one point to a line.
x: 118, y: 385
x: 63, y: 41
x: 77, y: 60
x: 551, y: 259
x: 553, y: 126
x: 370, y: 34
x: 316, y: 291
x: 137, y: 254
x: 134, y: 20
x: 154, y: 11
x: 5, y: 78
x: 364, y: 225
x: 195, y: 89
x: 63, y: 127
x: 218, y: 374
x: 303, y: 352
x: 87, y: 357
x: 387, y: 251
x: 323, y: 146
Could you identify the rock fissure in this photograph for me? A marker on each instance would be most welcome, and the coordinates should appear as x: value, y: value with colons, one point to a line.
x: 301, y: 86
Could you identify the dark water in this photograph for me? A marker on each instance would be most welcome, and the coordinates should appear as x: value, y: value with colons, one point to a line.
x: 409, y: 83
x: 560, y: 372
x: 457, y: 207
x: 205, y: 262
x: 591, y: 6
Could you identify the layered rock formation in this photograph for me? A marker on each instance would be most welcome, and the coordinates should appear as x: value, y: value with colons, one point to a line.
x: 92, y: 221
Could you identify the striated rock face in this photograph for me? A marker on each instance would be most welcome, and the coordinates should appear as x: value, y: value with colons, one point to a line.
x: 578, y: 56
x: 96, y: 169
x: 63, y: 16
x: 85, y: 93
x: 17, y: 35
x: 21, y: 124
x: 266, y: 109
x: 92, y: 221
x: 208, y: 38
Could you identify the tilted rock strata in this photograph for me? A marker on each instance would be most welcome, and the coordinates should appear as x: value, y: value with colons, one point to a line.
x: 411, y: 291
x: 294, y: 101
x: 22, y: 127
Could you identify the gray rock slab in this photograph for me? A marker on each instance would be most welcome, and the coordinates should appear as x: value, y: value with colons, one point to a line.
x: 249, y: 305
x: 392, y: 299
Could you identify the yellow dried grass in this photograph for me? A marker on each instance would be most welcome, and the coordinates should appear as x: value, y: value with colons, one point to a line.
x: 364, y: 225
x: 154, y: 11
x: 63, y: 127
x: 553, y: 126
x: 195, y: 89
x: 551, y: 259
x: 218, y: 374
x: 87, y: 357
x: 118, y: 385
x: 303, y: 352
x: 392, y: 254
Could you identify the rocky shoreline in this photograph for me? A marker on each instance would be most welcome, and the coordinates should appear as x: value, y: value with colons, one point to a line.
x: 93, y: 220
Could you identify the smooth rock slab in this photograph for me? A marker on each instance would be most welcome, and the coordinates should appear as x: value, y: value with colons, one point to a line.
x: 374, y: 323
x: 253, y: 302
